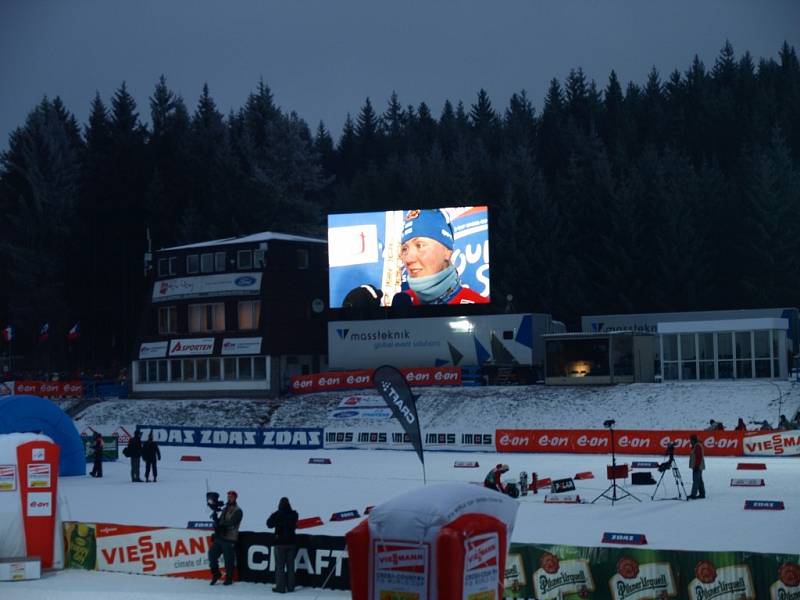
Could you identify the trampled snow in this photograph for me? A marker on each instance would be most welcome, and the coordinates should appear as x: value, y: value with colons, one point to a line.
x: 359, y: 478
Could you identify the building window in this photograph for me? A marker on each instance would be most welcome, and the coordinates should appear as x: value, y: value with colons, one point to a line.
x: 167, y: 320
x: 207, y: 263
x: 302, y: 259
x: 188, y: 369
x: 206, y: 317
x: 192, y: 264
x: 213, y: 369
x: 219, y: 262
x: 249, y: 315
x: 744, y: 355
x: 259, y: 258
x: 166, y: 266
x: 176, y: 373
x: 244, y: 259
x: 245, y: 367
x: 230, y: 369
x: 688, y: 356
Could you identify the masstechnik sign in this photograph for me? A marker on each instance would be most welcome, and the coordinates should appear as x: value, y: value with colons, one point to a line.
x: 228, y: 437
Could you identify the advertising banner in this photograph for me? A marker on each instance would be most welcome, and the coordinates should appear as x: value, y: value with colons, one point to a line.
x: 304, y: 438
x: 569, y: 572
x: 321, y: 560
x: 598, y: 441
x: 38, y: 471
x: 191, y: 347
x: 343, y: 380
x: 80, y: 546
x: 153, y: 350
x: 148, y: 550
x: 397, y: 439
x: 391, y: 384
x: 251, y: 345
x: 772, y: 443
x: 8, y: 478
x: 361, y: 407
x: 6, y: 388
x: 50, y: 389
x: 225, y: 284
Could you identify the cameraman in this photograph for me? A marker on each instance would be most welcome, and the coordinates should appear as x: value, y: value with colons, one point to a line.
x: 226, y: 534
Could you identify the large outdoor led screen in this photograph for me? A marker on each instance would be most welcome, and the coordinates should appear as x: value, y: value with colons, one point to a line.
x: 413, y: 256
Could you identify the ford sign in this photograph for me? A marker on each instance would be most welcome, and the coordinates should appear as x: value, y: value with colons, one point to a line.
x: 245, y: 281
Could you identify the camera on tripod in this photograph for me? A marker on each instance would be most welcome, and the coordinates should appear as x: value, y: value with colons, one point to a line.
x: 669, y: 453
x: 609, y: 423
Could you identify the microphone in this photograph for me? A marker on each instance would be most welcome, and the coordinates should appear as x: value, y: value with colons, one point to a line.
x: 401, y: 299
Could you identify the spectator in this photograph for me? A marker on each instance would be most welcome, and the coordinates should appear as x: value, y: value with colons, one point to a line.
x: 697, y: 464
x: 284, y: 520
x: 97, y: 446
x: 151, y: 455
x: 712, y: 425
x: 764, y: 425
x: 226, y: 535
x: 493, y: 478
x: 784, y: 424
x: 719, y: 426
x: 134, y: 452
x: 740, y: 426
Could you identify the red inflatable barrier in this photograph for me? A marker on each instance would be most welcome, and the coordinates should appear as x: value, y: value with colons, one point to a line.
x: 751, y: 467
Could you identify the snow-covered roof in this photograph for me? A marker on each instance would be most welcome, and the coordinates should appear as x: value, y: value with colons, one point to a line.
x: 264, y: 236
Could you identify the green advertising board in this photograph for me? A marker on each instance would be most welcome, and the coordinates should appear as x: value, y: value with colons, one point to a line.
x: 80, y: 546
x: 578, y: 573
x: 110, y: 448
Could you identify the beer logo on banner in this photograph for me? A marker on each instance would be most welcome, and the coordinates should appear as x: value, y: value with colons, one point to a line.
x: 735, y: 581
x: 557, y: 578
x: 788, y: 584
x: 633, y: 581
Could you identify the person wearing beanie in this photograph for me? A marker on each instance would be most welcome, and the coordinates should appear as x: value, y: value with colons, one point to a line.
x: 493, y: 481
x: 427, y: 245
x: 284, y: 520
x: 226, y: 535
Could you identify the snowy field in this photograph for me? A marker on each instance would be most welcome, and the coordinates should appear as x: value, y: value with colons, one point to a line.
x: 360, y: 478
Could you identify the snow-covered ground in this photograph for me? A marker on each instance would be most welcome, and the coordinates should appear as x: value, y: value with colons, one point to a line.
x: 359, y: 478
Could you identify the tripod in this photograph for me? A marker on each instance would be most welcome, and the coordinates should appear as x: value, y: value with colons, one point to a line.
x: 614, y: 472
x: 676, y: 474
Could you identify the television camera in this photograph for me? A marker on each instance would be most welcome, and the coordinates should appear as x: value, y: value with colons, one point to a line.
x: 670, y: 454
x: 214, y: 503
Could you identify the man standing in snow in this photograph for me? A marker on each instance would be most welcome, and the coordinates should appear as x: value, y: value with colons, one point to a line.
x: 697, y: 464
x: 97, y: 446
x: 135, y: 454
x: 284, y: 520
x: 226, y: 534
x: 151, y: 454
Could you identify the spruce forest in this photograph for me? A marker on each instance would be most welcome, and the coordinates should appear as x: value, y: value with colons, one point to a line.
x: 680, y: 192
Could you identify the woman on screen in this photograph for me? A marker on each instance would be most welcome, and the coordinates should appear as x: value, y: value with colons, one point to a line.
x: 427, y: 245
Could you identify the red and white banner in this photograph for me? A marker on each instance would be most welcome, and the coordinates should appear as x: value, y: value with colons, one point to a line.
x: 344, y: 380
x: 598, y: 441
x: 772, y: 443
x: 153, y: 550
x: 38, y: 473
x: 49, y: 389
x: 191, y: 347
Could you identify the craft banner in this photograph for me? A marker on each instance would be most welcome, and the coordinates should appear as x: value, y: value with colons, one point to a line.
x: 391, y: 384
x: 580, y: 573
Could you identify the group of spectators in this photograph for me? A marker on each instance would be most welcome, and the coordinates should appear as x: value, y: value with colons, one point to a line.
x: 783, y: 424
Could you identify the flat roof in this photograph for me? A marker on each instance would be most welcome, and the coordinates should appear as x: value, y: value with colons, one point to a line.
x: 595, y: 334
x: 264, y: 236
x: 757, y: 324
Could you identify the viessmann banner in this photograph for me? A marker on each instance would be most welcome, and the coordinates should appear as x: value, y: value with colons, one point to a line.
x: 344, y: 380
x: 304, y: 438
x: 226, y: 284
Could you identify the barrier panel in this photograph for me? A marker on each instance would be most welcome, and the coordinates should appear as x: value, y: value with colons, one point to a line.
x: 598, y: 441
x: 350, y: 380
x: 772, y: 443
x: 50, y: 389
x: 552, y: 572
x: 110, y: 448
x: 304, y: 438
x: 397, y: 439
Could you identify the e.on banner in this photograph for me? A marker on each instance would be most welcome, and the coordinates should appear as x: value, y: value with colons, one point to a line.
x: 598, y: 441
x: 50, y: 389
x: 153, y: 550
x: 348, y: 380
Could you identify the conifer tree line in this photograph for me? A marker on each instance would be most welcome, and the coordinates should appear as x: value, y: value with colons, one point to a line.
x: 681, y: 192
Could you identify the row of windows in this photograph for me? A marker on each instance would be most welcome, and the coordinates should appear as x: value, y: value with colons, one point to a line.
x: 209, y: 317
x: 240, y: 368
x: 724, y: 355
x: 215, y: 262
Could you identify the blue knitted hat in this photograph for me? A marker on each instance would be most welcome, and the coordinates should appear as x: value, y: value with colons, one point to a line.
x: 430, y: 224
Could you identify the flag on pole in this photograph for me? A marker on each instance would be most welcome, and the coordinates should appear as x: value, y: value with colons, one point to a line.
x: 44, y: 332
x: 75, y: 332
x: 8, y: 333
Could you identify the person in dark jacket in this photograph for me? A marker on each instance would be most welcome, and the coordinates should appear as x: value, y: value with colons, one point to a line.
x: 135, y: 454
x: 97, y: 446
x: 226, y: 535
x: 284, y: 520
x: 151, y: 454
x: 741, y: 426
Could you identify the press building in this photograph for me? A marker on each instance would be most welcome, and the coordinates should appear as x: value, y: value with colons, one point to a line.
x: 234, y: 316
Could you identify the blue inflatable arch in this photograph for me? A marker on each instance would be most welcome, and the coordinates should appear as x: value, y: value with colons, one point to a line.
x: 31, y: 414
